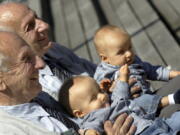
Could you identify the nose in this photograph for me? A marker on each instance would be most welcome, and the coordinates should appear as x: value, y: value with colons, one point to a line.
x: 103, y: 97
x: 41, y: 25
x: 39, y: 63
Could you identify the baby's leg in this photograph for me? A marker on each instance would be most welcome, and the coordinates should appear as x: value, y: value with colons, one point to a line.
x: 174, y: 121
x: 169, y: 88
x: 171, y: 99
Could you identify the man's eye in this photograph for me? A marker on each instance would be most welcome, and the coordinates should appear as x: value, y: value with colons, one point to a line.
x: 27, y: 59
x: 31, y: 26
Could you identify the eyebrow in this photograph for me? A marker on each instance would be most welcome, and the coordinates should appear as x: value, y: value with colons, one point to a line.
x: 29, y: 17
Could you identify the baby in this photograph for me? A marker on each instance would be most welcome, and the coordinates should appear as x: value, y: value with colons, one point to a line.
x: 115, y: 49
x: 89, y: 106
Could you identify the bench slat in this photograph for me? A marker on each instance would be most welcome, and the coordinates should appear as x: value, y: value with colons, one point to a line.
x: 166, y: 44
x: 74, y: 28
x: 60, y: 27
x: 90, y: 25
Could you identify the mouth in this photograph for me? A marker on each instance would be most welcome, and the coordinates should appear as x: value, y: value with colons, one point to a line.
x: 106, y: 104
x: 130, y: 61
x: 45, y: 43
x: 44, y: 40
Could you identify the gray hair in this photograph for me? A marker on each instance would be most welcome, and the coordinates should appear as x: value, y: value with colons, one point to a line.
x: 3, y: 60
x: 4, y: 28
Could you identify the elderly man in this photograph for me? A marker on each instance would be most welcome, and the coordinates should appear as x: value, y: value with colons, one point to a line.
x: 19, y: 85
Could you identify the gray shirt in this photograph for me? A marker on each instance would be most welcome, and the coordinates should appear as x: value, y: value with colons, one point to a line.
x: 143, y: 114
x: 140, y: 70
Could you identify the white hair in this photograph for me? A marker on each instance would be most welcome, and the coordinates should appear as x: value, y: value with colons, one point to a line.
x: 6, y: 29
x: 3, y: 60
x: 14, y: 1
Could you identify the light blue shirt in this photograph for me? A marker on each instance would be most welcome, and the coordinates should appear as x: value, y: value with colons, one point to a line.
x: 68, y: 65
x: 50, y: 83
x: 36, y: 114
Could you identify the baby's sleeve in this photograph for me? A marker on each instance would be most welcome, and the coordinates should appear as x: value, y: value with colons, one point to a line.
x: 120, y: 91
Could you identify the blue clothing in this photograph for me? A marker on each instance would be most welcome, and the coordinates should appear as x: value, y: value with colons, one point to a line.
x: 143, y: 114
x: 64, y: 59
x: 140, y: 70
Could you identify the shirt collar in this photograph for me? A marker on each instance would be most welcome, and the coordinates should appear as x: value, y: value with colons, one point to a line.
x: 46, y: 70
x: 25, y: 110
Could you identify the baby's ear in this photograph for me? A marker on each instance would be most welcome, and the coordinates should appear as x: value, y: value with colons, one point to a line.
x: 78, y: 113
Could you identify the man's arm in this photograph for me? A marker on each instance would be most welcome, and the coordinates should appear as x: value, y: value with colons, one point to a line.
x: 66, y: 59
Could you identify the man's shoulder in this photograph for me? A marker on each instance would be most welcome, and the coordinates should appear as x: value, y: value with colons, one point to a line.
x: 12, y: 125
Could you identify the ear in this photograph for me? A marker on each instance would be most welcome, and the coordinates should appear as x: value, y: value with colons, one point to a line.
x: 78, y: 113
x: 3, y: 86
x: 103, y: 58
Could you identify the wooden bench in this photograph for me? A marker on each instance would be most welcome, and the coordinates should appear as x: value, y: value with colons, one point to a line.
x: 151, y: 39
x: 169, y: 10
x: 75, y: 22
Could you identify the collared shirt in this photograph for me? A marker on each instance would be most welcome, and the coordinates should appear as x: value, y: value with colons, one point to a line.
x: 10, y: 125
x: 50, y: 83
x: 62, y: 64
x: 36, y: 114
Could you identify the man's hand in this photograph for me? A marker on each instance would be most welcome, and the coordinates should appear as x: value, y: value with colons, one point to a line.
x: 135, y: 90
x: 122, y: 126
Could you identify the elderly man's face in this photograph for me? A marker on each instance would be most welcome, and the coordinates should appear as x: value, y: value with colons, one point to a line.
x: 26, y: 24
x: 21, y: 78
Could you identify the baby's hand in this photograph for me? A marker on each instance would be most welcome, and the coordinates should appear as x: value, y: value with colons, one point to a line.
x: 124, y: 73
x: 88, y: 132
x: 105, y: 84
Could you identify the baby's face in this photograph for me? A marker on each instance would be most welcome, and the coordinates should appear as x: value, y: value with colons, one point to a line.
x: 89, y: 97
x: 120, y: 50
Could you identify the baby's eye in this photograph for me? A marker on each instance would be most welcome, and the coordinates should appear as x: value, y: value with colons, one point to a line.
x: 94, y: 97
x: 121, y: 52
